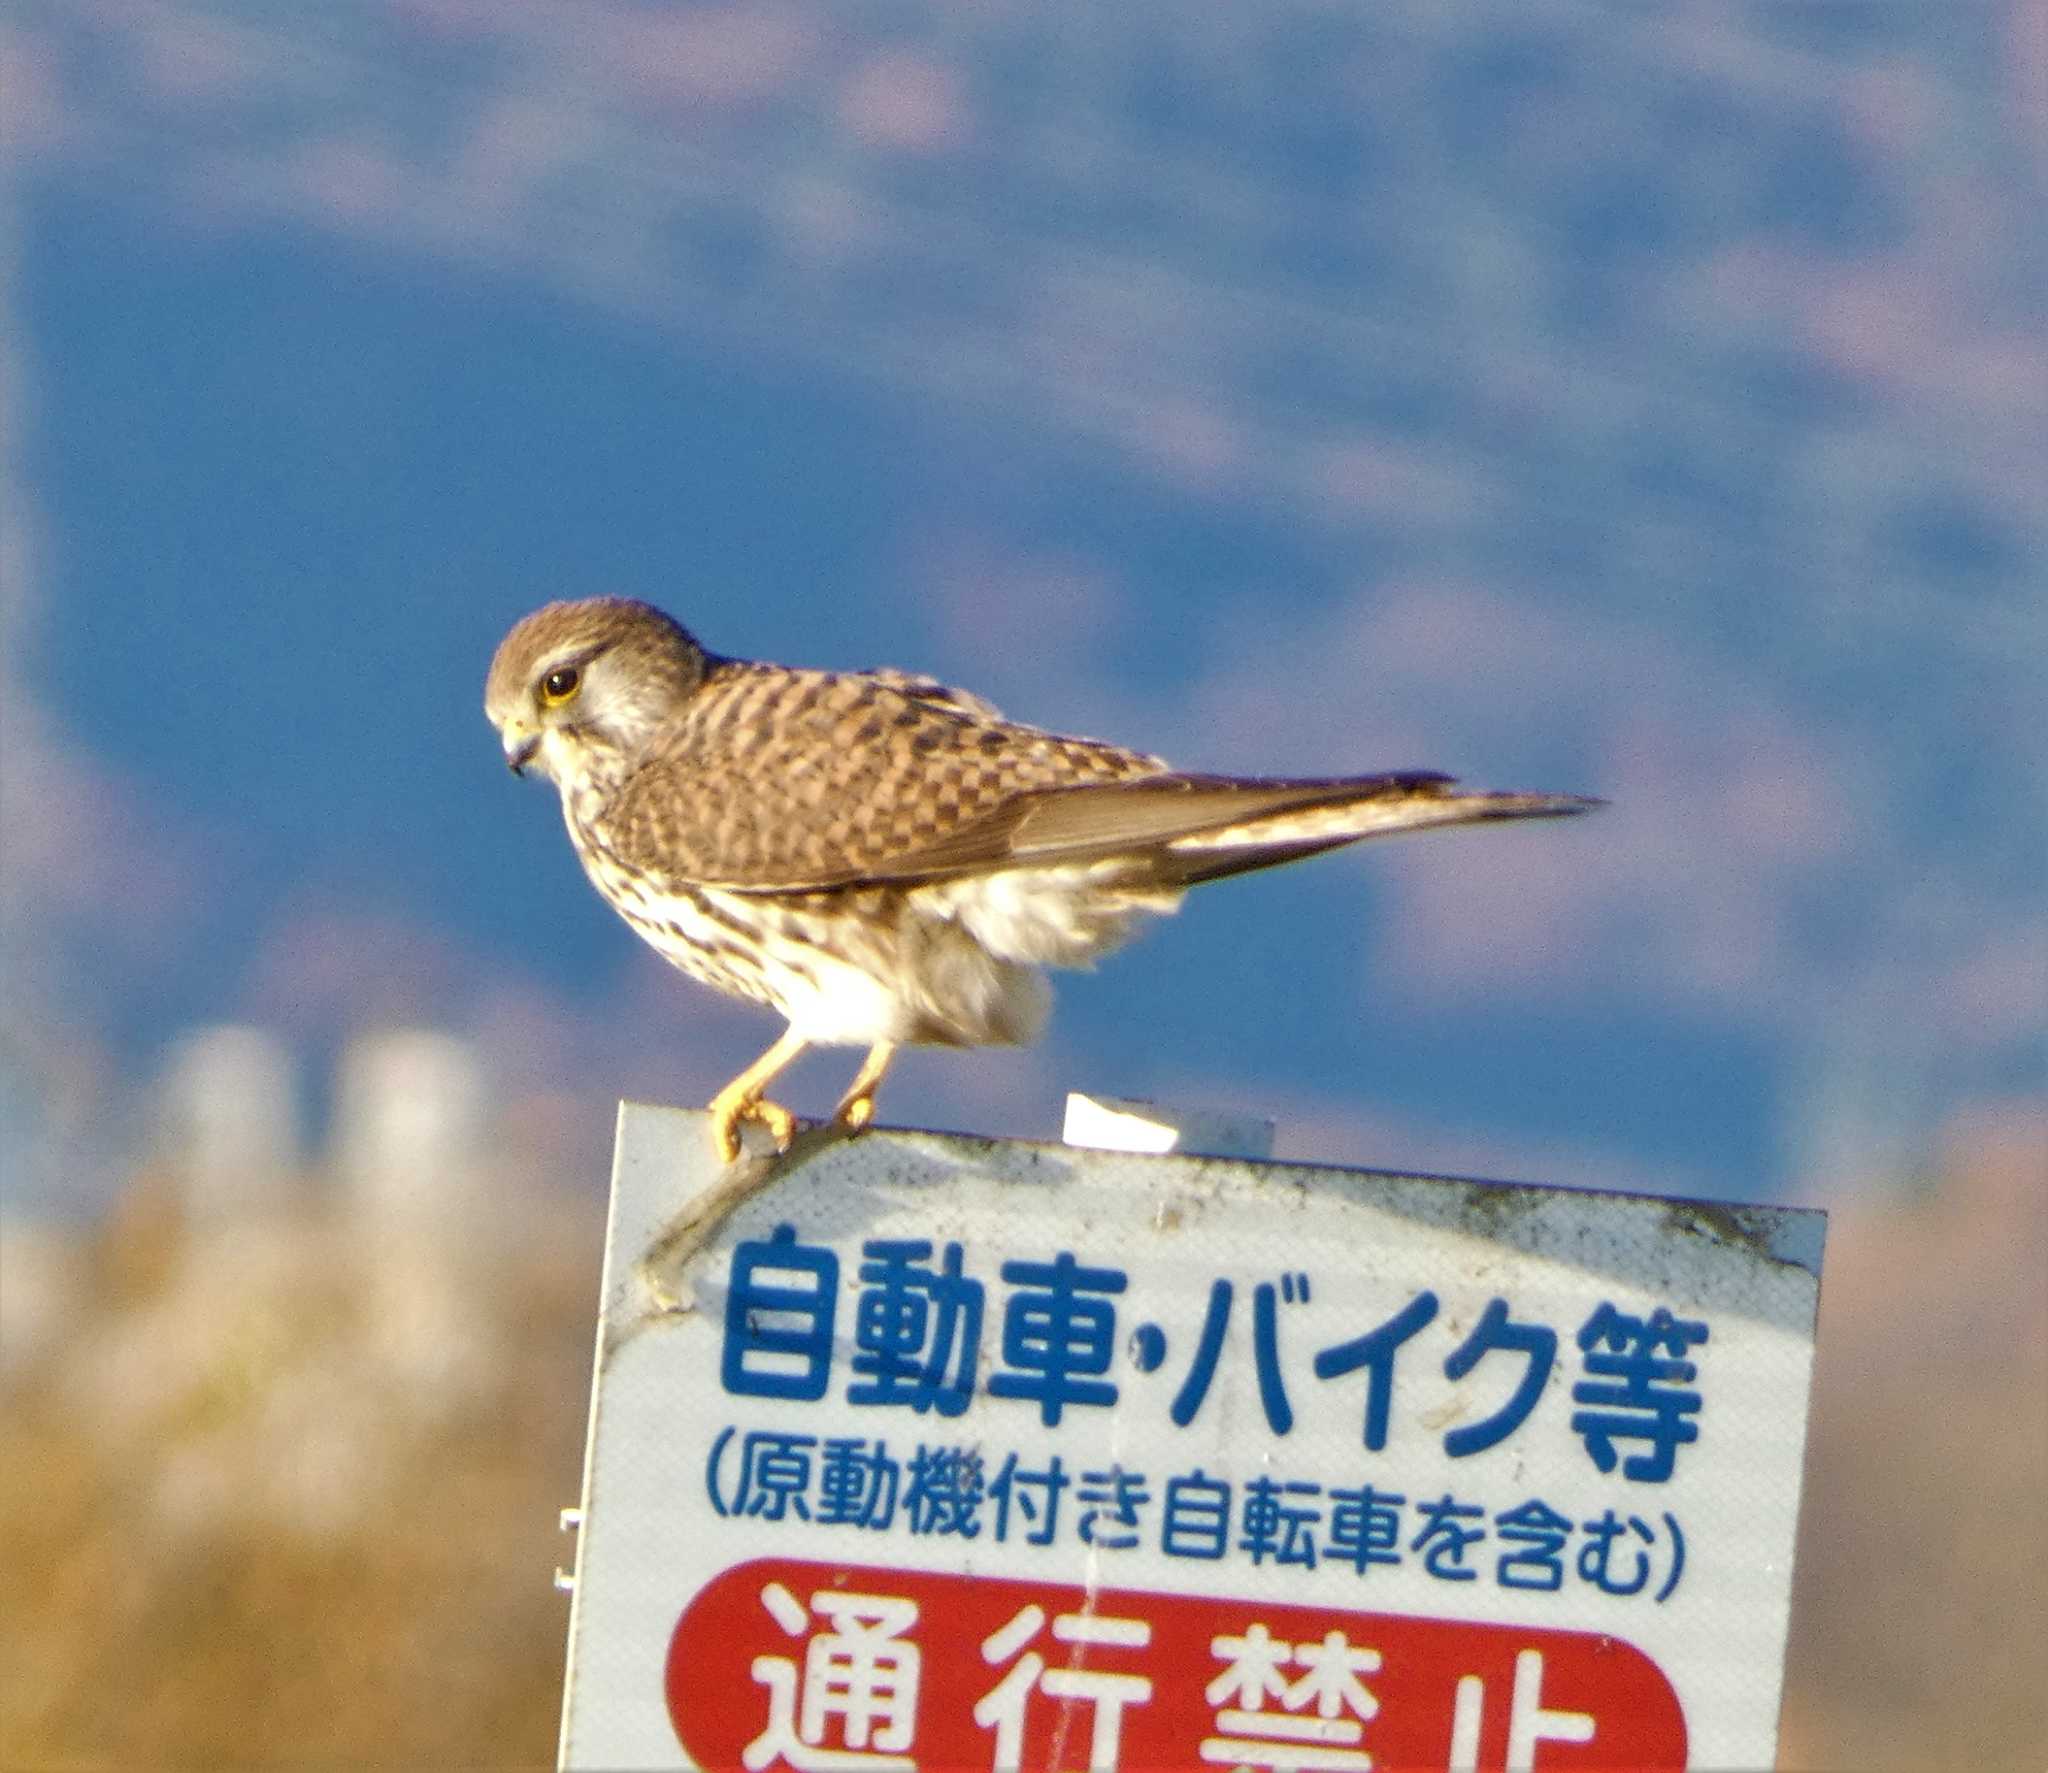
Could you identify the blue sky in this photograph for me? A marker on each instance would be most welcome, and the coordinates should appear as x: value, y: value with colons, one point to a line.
x: 1640, y: 408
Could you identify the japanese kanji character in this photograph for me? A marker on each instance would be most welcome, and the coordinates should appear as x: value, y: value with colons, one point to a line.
x: 1538, y: 1342
x: 1443, y: 1542
x: 857, y: 1484
x: 1529, y: 1722
x: 1375, y: 1352
x: 1365, y: 1527
x: 1271, y: 1526
x: 916, y: 1330
x: 942, y: 1491
x: 1309, y: 1730
x: 1540, y: 1532
x: 1003, y: 1707
x: 769, y: 1323
x: 774, y: 1475
x: 1058, y: 1334
x: 1109, y: 1502
x: 1647, y: 1404
x: 1252, y: 1672
x: 1332, y: 1681
x: 1195, y: 1516
x: 860, y: 1672
x: 1035, y: 1494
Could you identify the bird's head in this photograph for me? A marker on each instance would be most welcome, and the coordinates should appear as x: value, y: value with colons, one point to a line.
x: 579, y: 690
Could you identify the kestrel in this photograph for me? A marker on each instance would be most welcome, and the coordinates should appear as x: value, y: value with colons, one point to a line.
x: 879, y: 858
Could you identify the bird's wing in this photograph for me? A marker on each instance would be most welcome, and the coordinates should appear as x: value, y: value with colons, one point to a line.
x: 775, y: 780
x: 785, y: 781
x: 921, y: 688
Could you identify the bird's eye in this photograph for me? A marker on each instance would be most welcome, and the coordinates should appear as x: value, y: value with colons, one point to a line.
x: 559, y: 685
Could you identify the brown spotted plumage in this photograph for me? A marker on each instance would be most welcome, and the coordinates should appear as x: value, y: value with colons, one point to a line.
x: 880, y: 858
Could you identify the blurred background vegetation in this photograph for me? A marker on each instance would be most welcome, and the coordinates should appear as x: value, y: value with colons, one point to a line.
x: 281, y: 1475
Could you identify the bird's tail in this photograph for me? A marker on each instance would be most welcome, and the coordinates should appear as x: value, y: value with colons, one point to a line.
x: 1085, y: 864
x: 1279, y: 822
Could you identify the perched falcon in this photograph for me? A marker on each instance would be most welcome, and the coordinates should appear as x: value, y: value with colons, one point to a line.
x: 875, y: 856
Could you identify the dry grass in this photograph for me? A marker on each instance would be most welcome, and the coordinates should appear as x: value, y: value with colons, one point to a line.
x: 1920, y: 1614
x: 157, y: 1621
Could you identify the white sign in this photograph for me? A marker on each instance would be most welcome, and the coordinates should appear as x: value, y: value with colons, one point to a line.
x: 981, y: 1454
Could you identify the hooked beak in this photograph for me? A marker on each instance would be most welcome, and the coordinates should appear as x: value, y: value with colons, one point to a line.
x: 519, y: 749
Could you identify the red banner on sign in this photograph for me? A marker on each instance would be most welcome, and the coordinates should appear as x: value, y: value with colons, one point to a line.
x: 831, y: 1668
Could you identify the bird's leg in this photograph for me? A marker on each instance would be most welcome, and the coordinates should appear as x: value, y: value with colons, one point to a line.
x: 857, y: 1107
x: 741, y: 1100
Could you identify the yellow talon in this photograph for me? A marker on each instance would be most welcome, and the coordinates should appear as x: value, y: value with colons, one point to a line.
x: 742, y: 1100
x: 778, y: 1120
x: 728, y: 1113
x: 857, y: 1107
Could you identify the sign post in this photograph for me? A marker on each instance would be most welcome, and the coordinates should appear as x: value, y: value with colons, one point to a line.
x: 979, y: 1454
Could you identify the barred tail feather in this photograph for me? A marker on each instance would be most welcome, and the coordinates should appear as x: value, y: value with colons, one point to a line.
x: 1101, y: 861
x: 1421, y: 804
